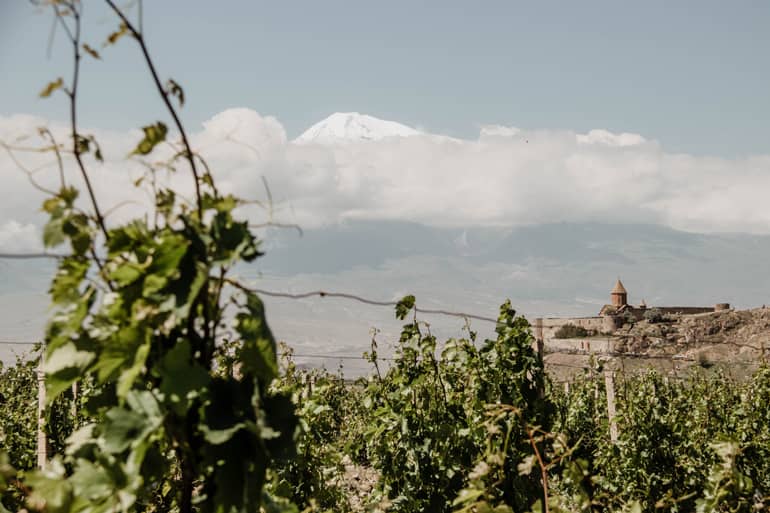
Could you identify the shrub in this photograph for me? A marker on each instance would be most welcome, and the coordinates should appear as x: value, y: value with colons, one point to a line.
x: 572, y: 331
x: 654, y: 315
x: 430, y: 415
x: 629, y: 318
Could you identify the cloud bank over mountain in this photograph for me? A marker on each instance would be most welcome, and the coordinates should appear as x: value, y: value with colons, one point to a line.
x: 356, y: 167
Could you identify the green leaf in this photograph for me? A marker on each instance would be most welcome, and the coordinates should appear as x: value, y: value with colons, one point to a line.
x: 80, y: 438
x: 82, y: 144
x: 121, y: 429
x: 257, y: 353
x: 526, y: 465
x: 153, y: 135
x: 68, y: 195
x: 144, y: 402
x: 53, y: 235
x: 52, y: 205
x: 62, y: 367
x: 169, y: 253
x: 152, y: 284
x: 183, y: 379
x: 51, y: 87
x: 50, y: 491
x: 125, y: 351
x: 234, y: 240
x: 467, y: 495
x: 404, y: 306
x: 92, y: 483
x: 124, y: 427
x: 66, y: 284
x: 129, y: 375
x: 174, y: 89
x: 126, y: 273
x: 220, y: 436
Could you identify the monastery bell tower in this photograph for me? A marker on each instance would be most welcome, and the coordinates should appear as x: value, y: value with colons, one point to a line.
x: 619, y: 295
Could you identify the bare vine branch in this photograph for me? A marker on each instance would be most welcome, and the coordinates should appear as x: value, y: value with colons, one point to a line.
x: 55, y: 147
x: 271, y: 224
x: 73, y: 95
x: 164, y: 95
x: 29, y: 172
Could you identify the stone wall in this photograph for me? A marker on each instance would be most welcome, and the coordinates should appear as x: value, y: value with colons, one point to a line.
x: 685, y: 310
x: 598, y: 345
x: 547, y: 327
x: 552, y: 324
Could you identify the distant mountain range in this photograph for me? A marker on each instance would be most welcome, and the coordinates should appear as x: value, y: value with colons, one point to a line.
x: 557, y: 262
x: 547, y: 270
x: 553, y: 262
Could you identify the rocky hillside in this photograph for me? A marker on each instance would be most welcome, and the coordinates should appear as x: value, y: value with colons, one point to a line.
x: 735, y: 341
x: 735, y: 335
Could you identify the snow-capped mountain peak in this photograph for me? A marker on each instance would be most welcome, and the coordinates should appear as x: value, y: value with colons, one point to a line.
x: 352, y: 126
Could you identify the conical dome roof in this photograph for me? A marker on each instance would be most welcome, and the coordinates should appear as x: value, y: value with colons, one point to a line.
x: 619, y: 288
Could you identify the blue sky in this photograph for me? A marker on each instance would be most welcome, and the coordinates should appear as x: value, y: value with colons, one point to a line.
x: 689, y: 77
x: 692, y: 75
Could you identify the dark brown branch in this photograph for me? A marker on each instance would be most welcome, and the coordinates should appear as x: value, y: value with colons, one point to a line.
x: 543, y: 469
x: 73, y: 94
x: 164, y: 95
x: 220, y: 284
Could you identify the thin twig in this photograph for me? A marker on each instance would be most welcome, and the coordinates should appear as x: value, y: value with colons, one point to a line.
x: 28, y: 172
x: 73, y: 94
x: 57, y: 152
x: 543, y: 469
x: 119, y: 205
x: 58, y: 16
x: 271, y: 224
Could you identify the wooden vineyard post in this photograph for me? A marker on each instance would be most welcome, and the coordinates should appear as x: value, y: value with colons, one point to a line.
x: 74, y: 406
x: 609, y: 383
x: 539, y: 336
x: 540, y: 349
x: 42, y: 440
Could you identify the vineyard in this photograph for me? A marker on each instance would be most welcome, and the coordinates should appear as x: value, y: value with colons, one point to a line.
x: 161, y: 387
x: 468, y: 425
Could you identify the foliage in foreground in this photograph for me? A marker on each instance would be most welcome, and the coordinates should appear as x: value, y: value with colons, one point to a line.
x: 426, y: 428
x: 474, y: 426
x: 139, y: 311
x: 462, y: 426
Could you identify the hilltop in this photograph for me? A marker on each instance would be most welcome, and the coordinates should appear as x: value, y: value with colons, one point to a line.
x: 733, y: 341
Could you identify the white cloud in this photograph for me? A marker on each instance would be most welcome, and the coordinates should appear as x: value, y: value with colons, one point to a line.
x: 507, y: 176
x: 499, y: 131
x: 610, y: 139
x: 17, y: 237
